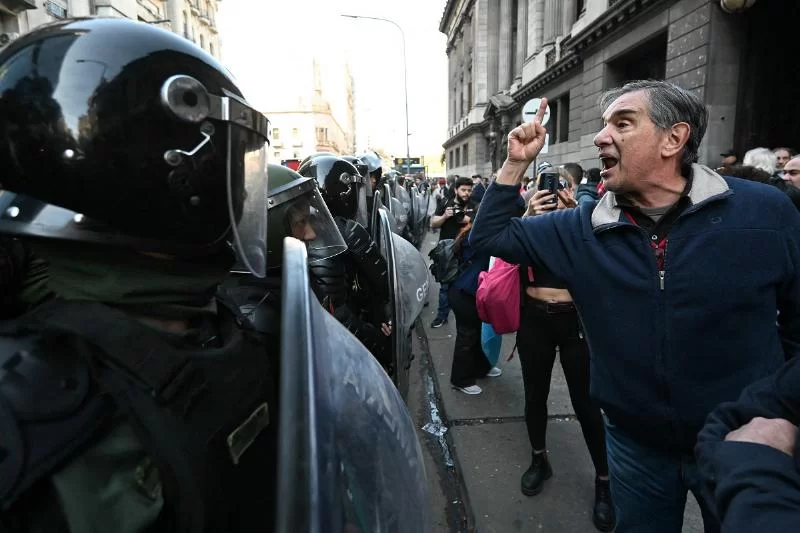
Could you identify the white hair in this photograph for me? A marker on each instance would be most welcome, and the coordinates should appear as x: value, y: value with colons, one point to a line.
x: 762, y: 158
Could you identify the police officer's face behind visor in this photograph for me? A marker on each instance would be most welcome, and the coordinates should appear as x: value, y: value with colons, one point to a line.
x: 300, y: 221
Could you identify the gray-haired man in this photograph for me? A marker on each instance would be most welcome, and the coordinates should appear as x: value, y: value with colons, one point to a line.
x: 668, y: 273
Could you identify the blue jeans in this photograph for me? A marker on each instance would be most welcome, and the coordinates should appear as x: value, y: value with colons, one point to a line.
x: 649, y: 486
x: 444, y: 304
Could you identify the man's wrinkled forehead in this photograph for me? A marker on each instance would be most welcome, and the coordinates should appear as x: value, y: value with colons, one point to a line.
x: 632, y: 103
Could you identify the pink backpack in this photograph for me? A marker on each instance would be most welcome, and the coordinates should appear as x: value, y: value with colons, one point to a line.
x: 498, y: 296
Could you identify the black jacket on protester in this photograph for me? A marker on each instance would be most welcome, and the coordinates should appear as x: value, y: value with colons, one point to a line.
x: 756, y: 487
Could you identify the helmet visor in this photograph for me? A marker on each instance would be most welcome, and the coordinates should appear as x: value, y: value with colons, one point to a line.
x: 247, y: 197
x: 307, y: 219
x: 362, y: 217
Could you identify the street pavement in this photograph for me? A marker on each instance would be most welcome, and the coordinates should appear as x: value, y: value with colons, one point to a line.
x: 474, y: 467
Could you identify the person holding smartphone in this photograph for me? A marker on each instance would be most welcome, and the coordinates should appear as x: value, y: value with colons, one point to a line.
x: 548, y: 323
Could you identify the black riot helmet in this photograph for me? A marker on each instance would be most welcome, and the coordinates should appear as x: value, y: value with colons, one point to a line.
x: 120, y: 133
x: 374, y: 164
x: 364, y: 189
x: 338, y: 181
x: 361, y: 166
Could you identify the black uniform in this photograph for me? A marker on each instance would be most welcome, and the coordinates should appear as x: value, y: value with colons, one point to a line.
x: 354, y: 287
x: 134, y: 401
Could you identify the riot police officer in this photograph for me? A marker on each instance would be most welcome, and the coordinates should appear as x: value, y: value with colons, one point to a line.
x: 296, y: 209
x: 130, y: 161
x: 353, y: 286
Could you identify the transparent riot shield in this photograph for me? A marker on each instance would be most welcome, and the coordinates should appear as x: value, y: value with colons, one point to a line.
x: 379, y: 200
x: 349, y: 457
x: 408, y: 287
x: 403, y: 211
x: 419, y: 214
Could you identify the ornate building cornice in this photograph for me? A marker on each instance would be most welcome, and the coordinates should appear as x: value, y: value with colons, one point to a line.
x: 618, y: 14
x: 560, y: 68
x: 454, y: 29
x: 475, y: 127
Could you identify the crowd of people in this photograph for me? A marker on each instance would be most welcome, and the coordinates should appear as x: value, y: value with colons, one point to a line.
x: 671, y: 292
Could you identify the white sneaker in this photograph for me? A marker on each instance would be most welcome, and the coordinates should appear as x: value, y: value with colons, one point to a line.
x: 494, y: 372
x: 472, y: 390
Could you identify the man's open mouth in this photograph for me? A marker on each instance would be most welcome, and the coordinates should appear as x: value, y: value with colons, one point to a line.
x: 608, y: 163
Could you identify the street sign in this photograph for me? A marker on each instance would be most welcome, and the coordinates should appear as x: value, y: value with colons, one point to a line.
x: 531, y: 107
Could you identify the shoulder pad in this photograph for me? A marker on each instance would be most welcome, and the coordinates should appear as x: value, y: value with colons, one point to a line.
x: 47, y: 409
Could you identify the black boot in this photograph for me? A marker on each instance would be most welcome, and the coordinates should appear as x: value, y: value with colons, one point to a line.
x: 604, y: 517
x: 534, y: 477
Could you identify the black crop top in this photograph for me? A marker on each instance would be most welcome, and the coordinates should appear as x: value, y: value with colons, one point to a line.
x: 542, y: 277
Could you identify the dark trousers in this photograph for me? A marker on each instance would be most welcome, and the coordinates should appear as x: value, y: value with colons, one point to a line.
x: 540, y: 333
x: 469, y: 362
x: 444, y: 306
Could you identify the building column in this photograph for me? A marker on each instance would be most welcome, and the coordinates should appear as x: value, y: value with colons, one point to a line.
x: 535, y: 15
x: 506, y: 47
x: 522, y: 38
x: 552, y: 21
x: 568, y: 16
x: 494, y: 44
x: 480, y: 51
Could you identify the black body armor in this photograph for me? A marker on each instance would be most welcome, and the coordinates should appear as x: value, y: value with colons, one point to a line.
x: 354, y: 287
x: 206, y: 415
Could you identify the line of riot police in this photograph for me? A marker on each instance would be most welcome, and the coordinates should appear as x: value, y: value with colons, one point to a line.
x: 182, y: 366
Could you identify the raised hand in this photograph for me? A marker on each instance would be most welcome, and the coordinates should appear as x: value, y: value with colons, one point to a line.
x: 526, y: 140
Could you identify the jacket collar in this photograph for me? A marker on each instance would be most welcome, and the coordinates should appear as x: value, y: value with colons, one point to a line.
x: 706, y: 185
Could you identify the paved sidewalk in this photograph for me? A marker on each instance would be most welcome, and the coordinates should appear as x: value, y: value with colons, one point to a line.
x: 488, y: 445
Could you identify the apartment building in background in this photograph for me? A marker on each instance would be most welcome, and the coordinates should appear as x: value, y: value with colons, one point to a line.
x: 315, y: 112
x: 502, y: 53
x: 193, y: 19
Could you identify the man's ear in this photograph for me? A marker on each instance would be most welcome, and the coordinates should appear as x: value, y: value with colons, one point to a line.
x: 676, y: 139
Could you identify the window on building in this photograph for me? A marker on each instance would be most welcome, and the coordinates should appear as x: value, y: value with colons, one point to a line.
x: 647, y: 61
x: 295, y: 132
x: 211, y: 48
x: 322, y: 135
x: 563, y: 119
x: 580, y: 8
x: 458, y: 157
x: 461, y: 104
x: 455, y: 105
x: 276, y: 134
x: 276, y: 156
x: 186, y: 25
x: 452, y: 160
x: 202, y: 42
x: 296, y: 155
x: 470, y: 103
x: 465, y: 154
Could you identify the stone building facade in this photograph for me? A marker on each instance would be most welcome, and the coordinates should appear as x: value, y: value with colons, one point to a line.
x: 504, y: 52
x: 193, y: 19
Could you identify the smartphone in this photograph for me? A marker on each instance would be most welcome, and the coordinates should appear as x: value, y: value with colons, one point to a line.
x: 549, y: 181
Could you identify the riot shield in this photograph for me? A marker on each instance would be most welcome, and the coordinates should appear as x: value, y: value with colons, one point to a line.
x: 380, y: 200
x: 408, y: 287
x: 349, y: 457
x: 403, y: 211
x: 419, y: 214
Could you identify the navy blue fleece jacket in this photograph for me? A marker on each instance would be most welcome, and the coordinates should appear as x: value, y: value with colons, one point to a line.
x: 668, y: 347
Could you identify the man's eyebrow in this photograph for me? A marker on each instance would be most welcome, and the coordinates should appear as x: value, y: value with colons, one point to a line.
x: 620, y: 112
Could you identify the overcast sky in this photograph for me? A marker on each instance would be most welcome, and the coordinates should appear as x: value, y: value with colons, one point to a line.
x: 259, y: 38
